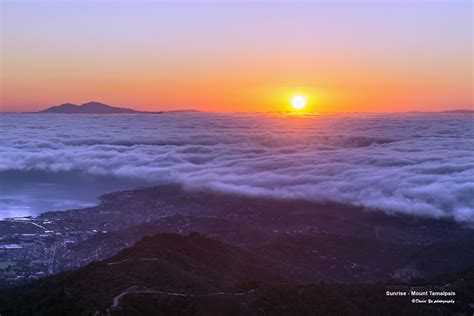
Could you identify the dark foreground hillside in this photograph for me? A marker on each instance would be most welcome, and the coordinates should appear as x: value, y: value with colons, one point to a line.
x: 170, y: 274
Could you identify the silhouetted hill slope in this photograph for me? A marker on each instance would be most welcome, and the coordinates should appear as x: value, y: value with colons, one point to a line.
x: 165, y: 262
x: 305, y: 257
x: 328, y: 257
x: 314, y: 299
x: 91, y: 108
x: 169, y: 274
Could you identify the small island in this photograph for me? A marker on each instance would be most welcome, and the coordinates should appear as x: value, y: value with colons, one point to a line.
x: 92, y: 108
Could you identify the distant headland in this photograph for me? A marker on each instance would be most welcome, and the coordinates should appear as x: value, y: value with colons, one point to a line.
x: 92, y: 108
x: 460, y: 111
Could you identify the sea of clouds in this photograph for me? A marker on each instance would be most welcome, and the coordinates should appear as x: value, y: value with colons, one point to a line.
x: 409, y: 163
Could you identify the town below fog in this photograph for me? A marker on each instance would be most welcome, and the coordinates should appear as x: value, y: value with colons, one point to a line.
x: 331, y: 242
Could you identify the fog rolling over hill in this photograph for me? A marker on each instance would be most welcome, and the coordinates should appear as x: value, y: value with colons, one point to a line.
x: 416, y: 164
x: 91, y: 108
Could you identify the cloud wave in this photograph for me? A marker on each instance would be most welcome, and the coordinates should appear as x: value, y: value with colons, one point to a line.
x: 410, y: 163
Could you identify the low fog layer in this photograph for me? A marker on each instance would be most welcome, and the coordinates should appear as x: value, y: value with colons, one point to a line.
x: 410, y: 163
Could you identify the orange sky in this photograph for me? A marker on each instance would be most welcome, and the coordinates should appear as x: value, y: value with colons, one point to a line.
x: 364, y: 57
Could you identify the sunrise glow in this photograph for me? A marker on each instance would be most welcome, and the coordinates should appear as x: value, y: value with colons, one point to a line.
x: 298, y: 102
x: 369, y: 63
x: 267, y: 157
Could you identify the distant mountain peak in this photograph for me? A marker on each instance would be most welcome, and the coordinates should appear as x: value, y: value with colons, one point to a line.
x: 94, y: 103
x: 92, y: 107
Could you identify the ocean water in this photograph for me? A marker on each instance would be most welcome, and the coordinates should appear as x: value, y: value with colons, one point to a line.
x: 415, y: 163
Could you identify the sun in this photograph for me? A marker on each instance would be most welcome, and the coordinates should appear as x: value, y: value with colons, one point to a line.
x: 298, y: 102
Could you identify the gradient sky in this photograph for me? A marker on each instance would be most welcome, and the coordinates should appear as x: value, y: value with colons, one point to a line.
x: 354, y: 56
